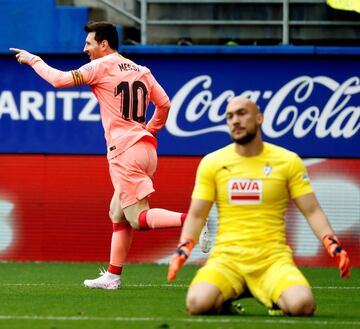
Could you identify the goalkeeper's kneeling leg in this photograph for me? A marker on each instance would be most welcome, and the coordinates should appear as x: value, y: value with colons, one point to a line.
x: 297, y: 301
x: 204, y: 298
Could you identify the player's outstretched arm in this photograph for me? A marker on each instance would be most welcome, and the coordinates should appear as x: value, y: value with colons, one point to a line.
x: 57, y: 78
x: 310, y: 207
x: 195, y: 220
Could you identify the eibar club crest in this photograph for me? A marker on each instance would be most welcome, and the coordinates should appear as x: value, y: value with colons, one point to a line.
x: 245, y: 191
x: 267, y: 169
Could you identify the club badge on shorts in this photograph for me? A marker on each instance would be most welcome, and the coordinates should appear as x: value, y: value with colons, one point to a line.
x: 245, y: 191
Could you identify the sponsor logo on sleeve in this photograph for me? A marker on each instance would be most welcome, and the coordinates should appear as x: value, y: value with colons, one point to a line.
x: 305, y: 176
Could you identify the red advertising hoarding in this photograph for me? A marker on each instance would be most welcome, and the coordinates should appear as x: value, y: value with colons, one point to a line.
x: 55, y: 208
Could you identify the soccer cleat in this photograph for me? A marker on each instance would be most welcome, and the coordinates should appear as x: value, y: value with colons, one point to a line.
x: 275, y: 311
x: 232, y: 308
x: 237, y: 309
x: 106, y: 280
x: 204, y: 240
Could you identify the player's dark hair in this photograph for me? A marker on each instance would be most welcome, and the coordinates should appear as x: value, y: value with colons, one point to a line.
x: 104, y: 31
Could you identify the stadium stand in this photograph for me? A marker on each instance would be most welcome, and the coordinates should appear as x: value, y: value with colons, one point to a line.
x: 56, y: 26
x: 216, y: 22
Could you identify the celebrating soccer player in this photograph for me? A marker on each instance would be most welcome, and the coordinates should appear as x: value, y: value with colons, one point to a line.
x: 124, y: 90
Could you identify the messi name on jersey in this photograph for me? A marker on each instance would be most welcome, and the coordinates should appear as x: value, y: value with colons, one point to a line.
x: 245, y: 191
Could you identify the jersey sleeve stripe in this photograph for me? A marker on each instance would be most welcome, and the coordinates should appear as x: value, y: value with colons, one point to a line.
x: 78, y: 78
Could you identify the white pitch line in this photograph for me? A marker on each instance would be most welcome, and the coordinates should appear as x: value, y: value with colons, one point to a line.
x: 157, y: 285
x: 219, y: 319
x: 345, y: 288
x: 166, y: 285
x: 147, y: 285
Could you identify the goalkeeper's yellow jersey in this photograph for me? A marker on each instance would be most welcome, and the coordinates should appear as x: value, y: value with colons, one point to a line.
x: 252, y: 196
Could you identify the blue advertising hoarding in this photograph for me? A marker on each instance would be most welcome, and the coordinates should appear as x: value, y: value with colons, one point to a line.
x: 311, y: 104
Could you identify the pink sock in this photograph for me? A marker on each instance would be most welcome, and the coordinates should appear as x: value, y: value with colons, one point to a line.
x: 160, y: 218
x: 120, y: 245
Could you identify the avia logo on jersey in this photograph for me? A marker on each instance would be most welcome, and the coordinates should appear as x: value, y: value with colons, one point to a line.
x: 245, y: 191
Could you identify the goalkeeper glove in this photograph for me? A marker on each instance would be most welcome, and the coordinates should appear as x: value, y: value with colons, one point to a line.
x: 179, y: 258
x: 333, y: 246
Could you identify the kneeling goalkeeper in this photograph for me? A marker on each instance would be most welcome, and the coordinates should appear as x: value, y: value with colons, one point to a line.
x: 251, y: 182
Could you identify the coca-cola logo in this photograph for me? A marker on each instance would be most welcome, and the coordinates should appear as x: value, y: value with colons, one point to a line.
x: 287, y: 109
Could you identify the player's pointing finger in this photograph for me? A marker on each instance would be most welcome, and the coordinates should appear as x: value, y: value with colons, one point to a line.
x: 15, y: 50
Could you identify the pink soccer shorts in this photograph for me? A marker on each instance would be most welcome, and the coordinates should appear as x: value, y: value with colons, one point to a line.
x: 132, y: 171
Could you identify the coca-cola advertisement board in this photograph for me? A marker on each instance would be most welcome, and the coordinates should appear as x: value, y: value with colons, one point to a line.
x: 310, y: 104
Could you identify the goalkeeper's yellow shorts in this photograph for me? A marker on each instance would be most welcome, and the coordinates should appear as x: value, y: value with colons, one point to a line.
x: 266, y: 285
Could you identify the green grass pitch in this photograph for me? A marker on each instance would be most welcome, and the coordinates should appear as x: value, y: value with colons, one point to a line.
x: 51, y: 296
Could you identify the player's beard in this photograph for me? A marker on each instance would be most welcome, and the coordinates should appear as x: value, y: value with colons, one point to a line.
x: 247, y: 138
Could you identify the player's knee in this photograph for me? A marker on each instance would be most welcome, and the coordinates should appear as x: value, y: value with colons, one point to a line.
x: 203, y: 301
x: 297, y: 300
x: 196, y: 305
x: 116, y: 214
x: 112, y: 216
x: 303, y: 305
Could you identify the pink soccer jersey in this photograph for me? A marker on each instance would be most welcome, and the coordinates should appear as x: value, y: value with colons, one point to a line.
x: 124, y: 90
